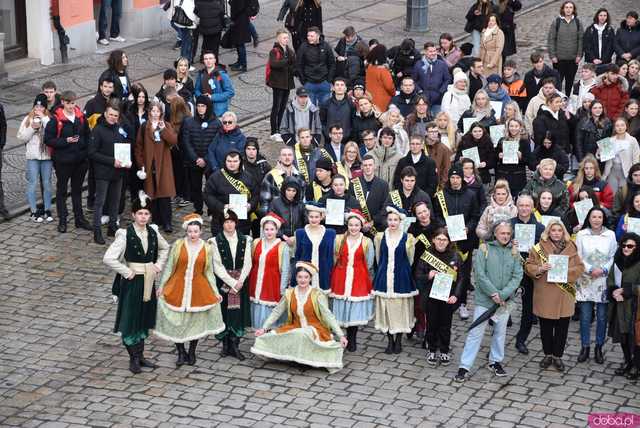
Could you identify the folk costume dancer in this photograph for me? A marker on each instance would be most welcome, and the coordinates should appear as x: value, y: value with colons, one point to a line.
x: 232, y: 263
x: 188, y: 298
x: 137, y: 254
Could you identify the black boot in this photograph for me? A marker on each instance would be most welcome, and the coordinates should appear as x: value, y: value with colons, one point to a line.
x: 111, y: 230
x: 62, y: 225
x: 598, y: 357
x: 225, y: 346
x: 584, y: 354
x: 191, y: 360
x: 82, y: 223
x: 134, y: 359
x: 397, y: 345
x: 234, y: 351
x: 144, y: 362
x: 182, y: 355
x: 353, y: 343
x: 97, y: 236
x: 628, y: 361
x: 389, y: 348
x: 633, y: 374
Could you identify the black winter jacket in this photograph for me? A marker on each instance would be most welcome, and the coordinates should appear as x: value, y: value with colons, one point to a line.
x: 532, y: 86
x: 557, y: 129
x: 628, y: 40
x: 197, y: 134
x: 64, y: 152
x: 376, y: 193
x: 588, y: 134
x: 408, y: 202
x: 362, y: 123
x: 554, y: 152
x: 427, y: 179
x: 486, y: 152
x: 103, y: 137
x: 292, y: 212
x: 211, y: 14
x: 462, y: 201
x: 315, y: 63
x: 590, y: 44
x: 120, y: 91
x: 335, y: 111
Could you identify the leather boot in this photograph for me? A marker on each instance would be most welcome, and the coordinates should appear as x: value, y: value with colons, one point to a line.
x: 111, y: 230
x: 234, y: 351
x: 633, y: 374
x: 144, y: 362
x: 389, y: 348
x: 584, y: 354
x: 628, y: 361
x: 397, y: 345
x: 598, y: 357
x: 82, y: 223
x: 225, y: 346
x: 134, y: 359
x: 182, y: 355
x: 353, y: 346
x: 62, y: 225
x: 97, y: 236
x: 192, y: 352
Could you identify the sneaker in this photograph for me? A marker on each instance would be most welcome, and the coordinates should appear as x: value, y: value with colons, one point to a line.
x: 103, y: 42
x: 178, y: 45
x: 431, y: 358
x: 48, y: 217
x: 463, y: 312
x: 277, y: 138
x: 35, y: 218
x: 117, y: 39
x: 497, y: 369
x: 445, y: 359
x: 461, y: 376
x: 104, y: 220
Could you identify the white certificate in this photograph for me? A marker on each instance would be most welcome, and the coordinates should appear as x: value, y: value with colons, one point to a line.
x: 335, y: 212
x: 122, y: 153
x: 526, y: 236
x: 406, y: 223
x: 496, y: 132
x: 444, y: 139
x: 497, y: 109
x: 559, y: 271
x: 510, y: 152
x: 472, y: 154
x: 441, y: 287
x: 455, y: 227
x: 545, y: 219
x: 633, y: 225
x: 582, y: 209
x: 467, y: 122
x: 238, y: 203
x: 606, y: 149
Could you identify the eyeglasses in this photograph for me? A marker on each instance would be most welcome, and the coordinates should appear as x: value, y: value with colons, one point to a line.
x: 629, y: 246
x: 227, y: 122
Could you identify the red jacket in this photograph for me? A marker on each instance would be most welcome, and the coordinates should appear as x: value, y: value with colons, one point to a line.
x: 601, y: 188
x: 613, y: 96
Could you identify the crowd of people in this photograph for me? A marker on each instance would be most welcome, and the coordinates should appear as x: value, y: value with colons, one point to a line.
x: 406, y: 182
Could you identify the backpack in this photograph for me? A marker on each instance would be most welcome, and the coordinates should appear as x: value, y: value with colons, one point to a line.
x: 253, y: 7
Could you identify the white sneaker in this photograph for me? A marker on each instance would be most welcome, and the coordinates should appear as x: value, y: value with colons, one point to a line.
x: 104, y: 219
x: 463, y: 312
x: 118, y: 222
x: 277, y: 138
x: 117, y: 39
x: 192, y: 68
x: 103, y: 42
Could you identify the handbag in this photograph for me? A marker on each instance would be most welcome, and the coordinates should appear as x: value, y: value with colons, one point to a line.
x: 225, y: 41
x: 468, y: 27
x: 180, y: 18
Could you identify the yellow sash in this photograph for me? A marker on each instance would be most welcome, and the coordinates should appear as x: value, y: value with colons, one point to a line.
x: 362, y: 200
x: 438, y: 264
x: 317, y: 191
x: 278, y: 177
x: 537, y: 215
x: 566, y: 287
x: 395, y: 198
x: 445, y: 214
x: 237, y: 184
x: 302, y: 164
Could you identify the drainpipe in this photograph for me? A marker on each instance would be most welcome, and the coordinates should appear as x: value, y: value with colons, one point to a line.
x: 62, y: 34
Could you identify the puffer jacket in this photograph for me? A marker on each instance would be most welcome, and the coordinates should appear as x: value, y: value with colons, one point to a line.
x: 588, y: 134
x: 555, y: 126
x: 387, y: 159
x: 34, y: 139
x: 223, y: 143
x: 613, y: 96
x: 270, y: 189
x: 554, y: 152
x: 198, y: 133
x: 590, y: 44
x: 211, y: 14
x: 497, y: 269
x: 462, y: 201
x: 291, y: 211
x: 628, y: 39
x: 218, y: 85
x: 455, y: 102
x: 557, y: 187
x: 493, y: 213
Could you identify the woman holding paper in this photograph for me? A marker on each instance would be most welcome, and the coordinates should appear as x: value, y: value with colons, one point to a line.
x: 338, y: 193
x: 596, y: 247
x: 477, y: 138
x: 554, y: 301
x: 592, y: 129
x: 351, y: 286
x: 514, y: 173
x: 480, y: 110
x: 589, y: 176
x: 623, y: 290
x: 630, y: 216
x: 153, y: 154
x: 627, y: 153
x: 393, y: 284
x: 546, y: 205
x: 439, y: 260
x: 448, y: 131
x: 573, y: 216
x: 501, y: 207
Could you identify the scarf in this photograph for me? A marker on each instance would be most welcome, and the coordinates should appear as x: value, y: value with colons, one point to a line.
x: 558, y: 246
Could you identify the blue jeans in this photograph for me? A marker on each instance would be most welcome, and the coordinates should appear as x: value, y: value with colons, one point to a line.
x: 116, y: 12
x: 242, y: 54
x: 178, y: 30
x: 186, y: 35
x: 475, y: 39
x: 585, y: 322
x: 318, y: 92
x: 474, y: 340
x: 39, y: 169
x: 253, y: 31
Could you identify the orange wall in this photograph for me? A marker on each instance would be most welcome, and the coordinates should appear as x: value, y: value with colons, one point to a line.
x: 74, y: 12
x: 143, y: 4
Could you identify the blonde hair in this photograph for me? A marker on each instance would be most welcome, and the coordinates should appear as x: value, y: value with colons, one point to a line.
x: 547, y: 161
x: 501, y: 183
x: 385, y: 118
x: 347, y: 146
x: 553, y: 222
x: 451, y: 130
x: 507, y: 134
x: 577, y: 183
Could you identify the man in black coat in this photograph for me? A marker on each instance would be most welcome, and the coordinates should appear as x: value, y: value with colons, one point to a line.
x: 67, y: 133
x: 316, y: 66
x: 3, y: 141
x: 628, y: 37
x: 211, y: 14
x: 406, y: 99
x: 364, y: 119
x: 406, y: 196
x: 534, y: 77
x: 371, y: 192
x: 109, y: 171
x: 290, y: 207
x: 338, y: 109
x: 198, y: 133
x: 425, y: 167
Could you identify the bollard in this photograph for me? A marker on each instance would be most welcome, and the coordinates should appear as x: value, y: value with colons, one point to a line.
x: 417, y: 15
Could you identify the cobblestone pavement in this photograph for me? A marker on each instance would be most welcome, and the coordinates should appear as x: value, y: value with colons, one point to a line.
x: 62, y: 366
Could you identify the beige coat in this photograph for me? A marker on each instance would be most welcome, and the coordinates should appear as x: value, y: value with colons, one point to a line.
x: 491, y: 52
x: 549, y: 301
